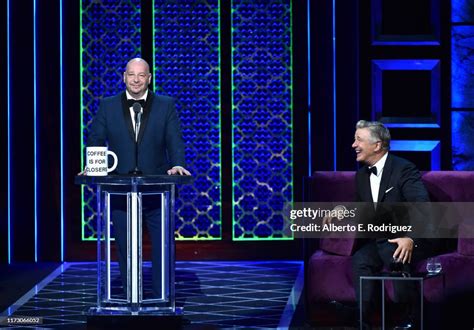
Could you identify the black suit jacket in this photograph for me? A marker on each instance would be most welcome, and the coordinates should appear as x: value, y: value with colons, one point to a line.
x: 400, y: 183
x: 160, y: 144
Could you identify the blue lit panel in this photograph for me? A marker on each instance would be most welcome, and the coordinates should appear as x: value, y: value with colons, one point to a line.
x: 421, y: 24
x: 462, y: 140
x: 187, y: 53
x: 462, y: 11
x: 432, y: 119
x: 9, y: 208
x: 462, y: 63
x: 110, y: 37
x: 61, y: 114
x: 432, y: 147
x: 262, y: 118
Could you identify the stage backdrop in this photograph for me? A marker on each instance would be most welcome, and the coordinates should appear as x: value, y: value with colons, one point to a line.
x: 186, y: 52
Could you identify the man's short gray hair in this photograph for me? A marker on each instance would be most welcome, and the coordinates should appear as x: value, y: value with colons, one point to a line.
x: 378, y: 132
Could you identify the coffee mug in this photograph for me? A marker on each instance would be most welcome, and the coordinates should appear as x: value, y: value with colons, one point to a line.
x: 97, y: 161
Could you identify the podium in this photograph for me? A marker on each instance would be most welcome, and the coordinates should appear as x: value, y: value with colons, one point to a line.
x: 133, y: 192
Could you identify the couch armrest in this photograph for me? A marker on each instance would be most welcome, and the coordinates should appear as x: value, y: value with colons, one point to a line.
x: 466, y: 246
x: 466, y: 239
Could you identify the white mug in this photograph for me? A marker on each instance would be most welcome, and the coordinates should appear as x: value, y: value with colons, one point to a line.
x: 97, y: 161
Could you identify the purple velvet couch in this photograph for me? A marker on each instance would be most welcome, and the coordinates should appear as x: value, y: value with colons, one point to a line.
x: 328, y: 261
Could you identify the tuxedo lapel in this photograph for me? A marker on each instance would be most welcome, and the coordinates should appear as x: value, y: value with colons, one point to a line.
x: 366, y: 193
x: 386, y: 174
x: 127, y: 117
x: 146, y: 114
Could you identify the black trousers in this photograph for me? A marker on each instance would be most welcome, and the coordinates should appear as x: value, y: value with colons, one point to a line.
x: 152, y: 217
x: 370, y: 259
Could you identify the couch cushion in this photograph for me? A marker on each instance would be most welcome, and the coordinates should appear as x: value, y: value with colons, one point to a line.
x: 331, y: 187
x: 458, y: 273
x: 449, y: 186
x: 466, y: 238
x: 466, y: 246
x: 338, y: 246
x: 330, y: 278
x: 339, y: 186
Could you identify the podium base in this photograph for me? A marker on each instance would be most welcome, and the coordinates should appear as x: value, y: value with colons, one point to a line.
x: 137, y: 321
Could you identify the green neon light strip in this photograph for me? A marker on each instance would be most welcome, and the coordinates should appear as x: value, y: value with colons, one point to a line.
x: 290, y: 47
x: 291, y: 106
x: 81, y: 51
x: 218, y: 109
x: 232, y: 111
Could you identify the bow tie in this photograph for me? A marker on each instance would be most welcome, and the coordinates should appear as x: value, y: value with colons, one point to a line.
x: 131, y: 102
x: 372, y: 169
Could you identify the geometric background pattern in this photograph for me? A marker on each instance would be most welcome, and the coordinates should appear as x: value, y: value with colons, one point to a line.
x: 262, y: 118
x: 110, y: 36
x: 187, y: 67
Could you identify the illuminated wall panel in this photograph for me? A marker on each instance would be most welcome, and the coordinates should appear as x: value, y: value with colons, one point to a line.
x: 462, y: 11
x: 421, y: 23
x: 186, y: 53
x: 110, y: 36
x: 262, y: 118
x: 462, y: 136
x: 462, y: 63
x: 406, y: 93
x: 462, y: 85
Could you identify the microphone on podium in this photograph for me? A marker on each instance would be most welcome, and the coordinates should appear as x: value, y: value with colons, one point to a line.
x: 137, y: 108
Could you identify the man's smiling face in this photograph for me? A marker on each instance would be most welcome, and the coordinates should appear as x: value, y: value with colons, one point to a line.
x: 137, y: 77
x: 367, y: 150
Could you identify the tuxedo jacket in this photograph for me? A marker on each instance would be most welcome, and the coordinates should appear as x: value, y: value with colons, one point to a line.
x: 400, y: 183
x: 160, y: 143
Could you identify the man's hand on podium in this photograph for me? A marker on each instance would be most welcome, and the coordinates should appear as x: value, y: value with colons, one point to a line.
x: 178, y: 170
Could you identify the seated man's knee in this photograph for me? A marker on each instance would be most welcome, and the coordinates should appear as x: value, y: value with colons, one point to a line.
x: 358, y: 260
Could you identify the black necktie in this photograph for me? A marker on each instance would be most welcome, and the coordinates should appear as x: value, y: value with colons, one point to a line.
x: 131, y: 102
x: 372, y: 169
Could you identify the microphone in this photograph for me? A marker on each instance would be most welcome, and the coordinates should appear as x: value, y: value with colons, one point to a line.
x: 138, y: 115
x: 137, y: 109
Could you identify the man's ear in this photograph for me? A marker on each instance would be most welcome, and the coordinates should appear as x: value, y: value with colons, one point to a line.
x: 378, y: 146
x: 124, y: 78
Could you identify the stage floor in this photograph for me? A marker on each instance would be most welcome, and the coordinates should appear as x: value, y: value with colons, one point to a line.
x: 261, y: 294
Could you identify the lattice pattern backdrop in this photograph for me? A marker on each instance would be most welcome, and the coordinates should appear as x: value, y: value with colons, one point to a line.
x: 187, y: 67
x: 187, y: 53
x: 262, y: 118
x: 110, y: 36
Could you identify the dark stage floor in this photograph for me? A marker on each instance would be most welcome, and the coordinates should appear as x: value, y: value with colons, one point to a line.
x: 218, y: 294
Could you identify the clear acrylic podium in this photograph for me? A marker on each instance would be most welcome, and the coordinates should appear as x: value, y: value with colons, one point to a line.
x: 132, y: 299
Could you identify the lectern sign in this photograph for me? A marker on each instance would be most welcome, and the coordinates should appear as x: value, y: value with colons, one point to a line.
x: 97, y: 161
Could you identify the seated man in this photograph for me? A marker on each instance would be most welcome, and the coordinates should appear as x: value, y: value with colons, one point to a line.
x: 390, y: 179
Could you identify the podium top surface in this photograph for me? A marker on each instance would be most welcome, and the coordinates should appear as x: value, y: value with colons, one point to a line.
x: 131, y: 179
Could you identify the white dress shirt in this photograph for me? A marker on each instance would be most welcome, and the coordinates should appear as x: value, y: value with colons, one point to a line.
x: 376, y: 179
x: 132, y: 113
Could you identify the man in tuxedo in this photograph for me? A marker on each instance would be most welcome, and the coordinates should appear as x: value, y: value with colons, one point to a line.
x: 385, y: 178
x: 160, y: 149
